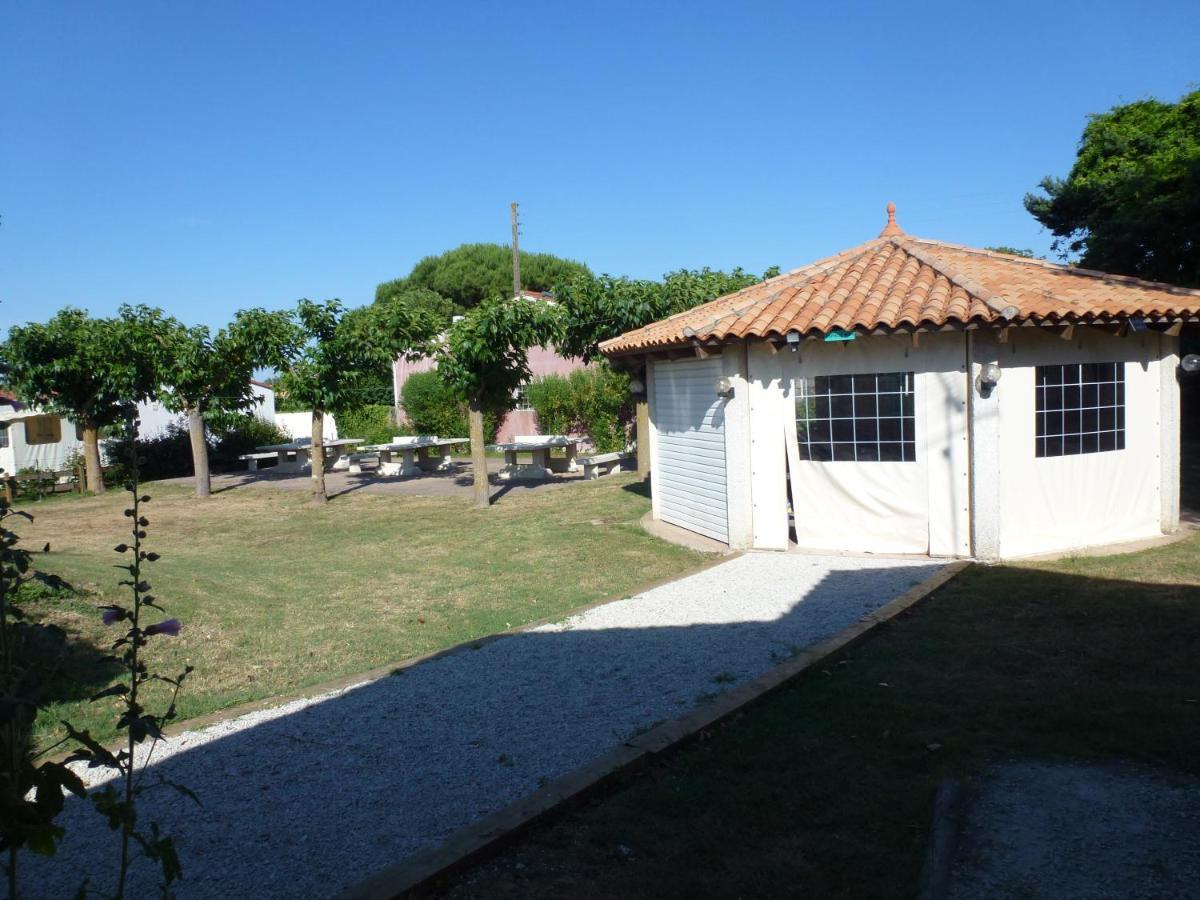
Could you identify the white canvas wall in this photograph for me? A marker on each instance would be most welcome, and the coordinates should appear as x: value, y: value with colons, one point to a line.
x: 1069, y: 502
x: 888, y: 507
x: 20, y: 455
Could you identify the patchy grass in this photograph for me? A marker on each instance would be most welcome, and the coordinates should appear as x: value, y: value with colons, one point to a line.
x: 277, y: 594
x: 825, y: 788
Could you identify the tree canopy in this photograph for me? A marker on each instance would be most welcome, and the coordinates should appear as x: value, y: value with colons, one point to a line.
x: 597, y: 309
x: 1131, y: 203
x: 472, y: 273
x: 91, y: 371
x: 1013, y: 251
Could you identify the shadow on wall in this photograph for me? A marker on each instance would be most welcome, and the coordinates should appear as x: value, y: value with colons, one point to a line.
x: 322, y: 795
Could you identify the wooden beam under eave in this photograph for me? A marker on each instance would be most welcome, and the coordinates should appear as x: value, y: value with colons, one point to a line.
x: 1067, y: 333
x: 1174, y: 329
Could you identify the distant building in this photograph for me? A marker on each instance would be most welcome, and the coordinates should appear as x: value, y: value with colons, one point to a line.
x: 32, y: 439
x: 521, y: 419
x: 154, y: 419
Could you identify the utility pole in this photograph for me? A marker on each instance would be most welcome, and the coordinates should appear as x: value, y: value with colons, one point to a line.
x: 516, y: 255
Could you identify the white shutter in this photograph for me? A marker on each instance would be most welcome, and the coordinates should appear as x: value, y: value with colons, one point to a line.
x: 689, y: 472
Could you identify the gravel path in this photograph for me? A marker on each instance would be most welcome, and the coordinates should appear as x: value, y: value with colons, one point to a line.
x: 1050, y: 830
x: 304, y: 799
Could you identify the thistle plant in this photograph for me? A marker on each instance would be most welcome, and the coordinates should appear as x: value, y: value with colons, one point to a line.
x: 117, y: 800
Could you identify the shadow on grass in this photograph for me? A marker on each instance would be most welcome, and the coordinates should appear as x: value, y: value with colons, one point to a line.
x: 825, y: 788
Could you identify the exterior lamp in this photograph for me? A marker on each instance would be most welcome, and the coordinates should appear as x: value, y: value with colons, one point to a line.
x: 725, y: 387
x: 989, y: 377
x: 1190, y: 364
x: 793, y: 341
x: 637, y: 386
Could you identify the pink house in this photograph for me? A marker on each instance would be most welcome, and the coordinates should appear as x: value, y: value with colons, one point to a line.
x: 519, y: 420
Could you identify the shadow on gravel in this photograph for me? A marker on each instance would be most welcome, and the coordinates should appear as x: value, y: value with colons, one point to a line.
x: 319, y: 796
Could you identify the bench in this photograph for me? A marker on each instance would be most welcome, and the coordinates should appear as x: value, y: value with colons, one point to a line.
x: 42, y: 482
x: 253, y: 458
x: 601, y: 464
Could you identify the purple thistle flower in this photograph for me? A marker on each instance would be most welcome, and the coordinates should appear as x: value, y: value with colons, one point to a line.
x: 169, y: 627
x: 112, y: 615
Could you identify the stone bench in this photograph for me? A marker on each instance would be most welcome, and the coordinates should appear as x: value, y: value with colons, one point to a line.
x: 601, y: 464
x: 252, y: 459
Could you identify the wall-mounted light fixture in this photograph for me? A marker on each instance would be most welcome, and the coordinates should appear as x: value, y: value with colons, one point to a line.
x: 1190, y: 364
x: 725, y: 387
x: 793, y: 341
x: 637, y: 386
x: 989, y: 377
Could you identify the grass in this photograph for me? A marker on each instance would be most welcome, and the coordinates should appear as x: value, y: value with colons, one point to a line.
x: 825, y: 787
x: 277, y: 594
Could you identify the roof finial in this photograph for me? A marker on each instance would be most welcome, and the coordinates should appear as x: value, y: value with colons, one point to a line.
x: 891, y: 227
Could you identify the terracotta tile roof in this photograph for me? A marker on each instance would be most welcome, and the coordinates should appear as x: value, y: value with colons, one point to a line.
x: 899, y: 282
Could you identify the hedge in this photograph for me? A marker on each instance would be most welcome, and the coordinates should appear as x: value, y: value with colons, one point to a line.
x: 594, y: 401
x: 431, y: 408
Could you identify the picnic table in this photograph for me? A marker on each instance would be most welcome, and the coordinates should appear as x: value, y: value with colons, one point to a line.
x: 542, y: 464
x: 414, y: 450
x: 302, y: 448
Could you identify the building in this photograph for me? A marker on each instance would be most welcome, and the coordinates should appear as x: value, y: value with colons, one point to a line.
x: 521, y: 419
x: 31, y: 439
x: 915, y: 396
x: 154, y: 419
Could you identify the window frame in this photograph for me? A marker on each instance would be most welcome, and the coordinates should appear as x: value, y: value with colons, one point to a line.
x: 1080, y: 415
x: 35, y: 438
x: 857, y: 417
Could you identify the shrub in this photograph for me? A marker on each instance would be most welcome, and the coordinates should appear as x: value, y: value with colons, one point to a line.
x: 594, y: 401
x: 372, y: 422
x: 235, y: 435
x: 432, y: 408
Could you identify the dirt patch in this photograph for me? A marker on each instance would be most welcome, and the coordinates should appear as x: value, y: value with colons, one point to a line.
x: 1036, y: 829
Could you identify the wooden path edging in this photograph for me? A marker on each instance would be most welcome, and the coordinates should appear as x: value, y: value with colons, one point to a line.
x: 421, y: 873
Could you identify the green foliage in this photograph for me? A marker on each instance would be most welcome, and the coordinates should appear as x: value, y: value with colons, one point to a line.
x: 472, y: 273
x: 594, y: 401
x: 1131, y: 203
x: 431, y: 407
x: 213, y: 373
x: 440, y: 308
x: 485, y: 353
x: 601, y: 308
x: 1012, y: 251
x: 235, y: 435
x: 372, y: 422
x: 345, y: 349
x: 86, y: 369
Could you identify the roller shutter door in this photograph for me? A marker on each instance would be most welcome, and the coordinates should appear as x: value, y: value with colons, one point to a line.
x: 689, y: 469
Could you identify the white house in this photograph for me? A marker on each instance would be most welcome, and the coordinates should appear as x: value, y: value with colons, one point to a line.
x: 30, y: 439
x: 154, y: 419
x: 914, y: 396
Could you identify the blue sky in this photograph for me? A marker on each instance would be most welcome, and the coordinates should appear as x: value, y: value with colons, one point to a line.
x: 212, y: 156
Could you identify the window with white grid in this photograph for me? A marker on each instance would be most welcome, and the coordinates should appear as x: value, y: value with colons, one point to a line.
x: 521, y: 399
x: 857, y: 418
x: 1080, y: 408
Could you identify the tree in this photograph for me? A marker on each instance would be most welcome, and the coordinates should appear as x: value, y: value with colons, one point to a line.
x: 1012, y: 251
x: 440, y: 308
x: 207, y: 375
x: 485, y: 359
x: 472, y: 273
x: 339, y: 351
x: 88, y: 370
x: 1131, y: 203
x: 601, y: 308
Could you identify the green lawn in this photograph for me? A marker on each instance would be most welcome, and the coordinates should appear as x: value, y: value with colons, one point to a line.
x: 277, y: 594
x: 825, y: 788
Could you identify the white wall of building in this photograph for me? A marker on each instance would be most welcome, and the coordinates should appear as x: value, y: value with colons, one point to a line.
x: 1072, y: 502
x: 299, y: 425
x: 19, y: 454
x: 154, y: 419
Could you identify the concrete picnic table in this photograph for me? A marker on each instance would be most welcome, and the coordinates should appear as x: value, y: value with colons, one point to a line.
x: 303, y: 450
x: 415, y: 452
x: 543, y: 465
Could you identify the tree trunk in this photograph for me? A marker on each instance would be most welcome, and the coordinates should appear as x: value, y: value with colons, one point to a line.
x: 199, y: 452
x: 94, y: 472
x: 643, y: 438
x: 479, y: 456
x: 317, y: 456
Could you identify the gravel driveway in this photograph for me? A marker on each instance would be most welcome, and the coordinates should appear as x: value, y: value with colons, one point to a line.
x: 304, y: 799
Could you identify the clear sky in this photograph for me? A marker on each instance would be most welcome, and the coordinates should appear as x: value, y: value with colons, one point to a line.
x: 205, y: 157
